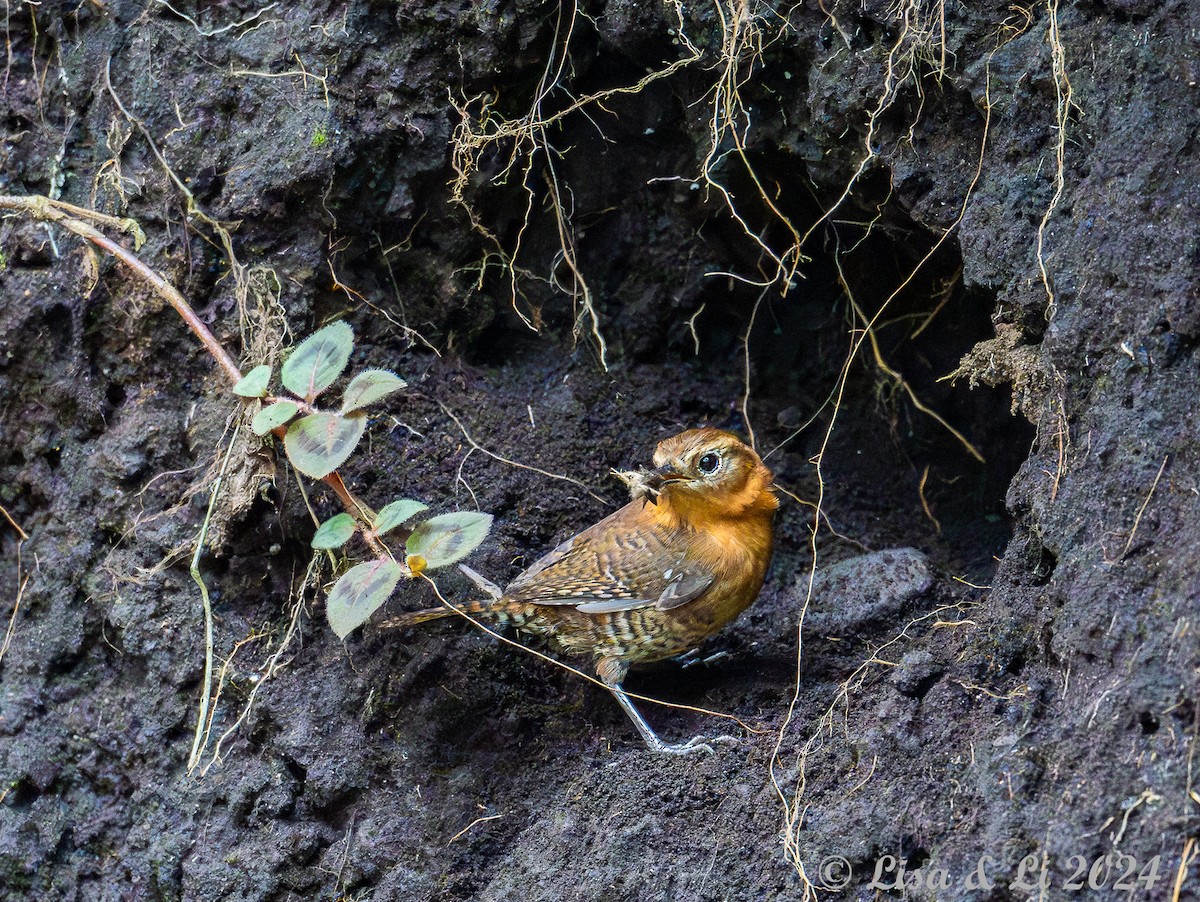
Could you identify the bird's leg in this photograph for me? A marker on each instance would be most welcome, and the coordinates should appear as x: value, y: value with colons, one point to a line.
x: 695, y: 744
x: 612, y: 672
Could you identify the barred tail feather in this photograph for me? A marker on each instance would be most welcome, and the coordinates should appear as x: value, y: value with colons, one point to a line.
x: 415, y: 618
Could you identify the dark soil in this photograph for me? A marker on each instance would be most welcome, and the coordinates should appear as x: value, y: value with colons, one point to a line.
x: 998, y: 672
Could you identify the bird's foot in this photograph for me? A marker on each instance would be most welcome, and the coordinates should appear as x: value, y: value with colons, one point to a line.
x: 611, y: 670
x: 692, y: 658
x: 695, y: 744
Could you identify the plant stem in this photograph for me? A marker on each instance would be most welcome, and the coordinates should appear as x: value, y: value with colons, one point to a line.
x: 72, y: 218
x: 68, y: 216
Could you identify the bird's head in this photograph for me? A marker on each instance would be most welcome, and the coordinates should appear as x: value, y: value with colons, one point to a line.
x: 705, y: 474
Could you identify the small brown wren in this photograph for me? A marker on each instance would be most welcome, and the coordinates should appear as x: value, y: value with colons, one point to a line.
x: 656, y: 578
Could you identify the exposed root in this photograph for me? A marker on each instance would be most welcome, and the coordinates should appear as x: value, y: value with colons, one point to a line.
x: 475, y: 446
x: 261, y: 318
x: 300, y: 72
x: 898, y: 380
x: 410, y: 333
x: 1137, y: 519
x: 899, y: 68
x: 836, y: 718
x: 22, y: 583
x: 913, y: 38
x: 213, y: 32
x: 202, y: 718
x: 745, y: 402
x: 1064, y: 103
x: 1190, y: 854
x: 482, y: 128
x: 745, y: 33
x: 937, y: 526
x: 109, y: 177
x: 276, y: 659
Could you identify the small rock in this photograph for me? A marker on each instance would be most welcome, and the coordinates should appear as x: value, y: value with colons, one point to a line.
x: 875, y: 586
x: 916, y: 674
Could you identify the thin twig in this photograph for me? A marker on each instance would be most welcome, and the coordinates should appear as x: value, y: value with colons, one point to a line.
x: 206, y: 689
x: 1141, y: 510
x: 512, y: 463
x: 14, y: 524
x: 467, y: 829
x: 47, y: 210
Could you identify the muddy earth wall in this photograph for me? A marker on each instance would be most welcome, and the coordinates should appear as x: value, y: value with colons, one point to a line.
x: 575, y: 229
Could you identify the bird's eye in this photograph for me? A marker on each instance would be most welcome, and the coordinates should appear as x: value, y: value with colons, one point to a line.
x: 709, y: 462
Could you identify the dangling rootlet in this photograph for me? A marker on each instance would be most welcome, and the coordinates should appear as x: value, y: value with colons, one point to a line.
x: 656, y: 578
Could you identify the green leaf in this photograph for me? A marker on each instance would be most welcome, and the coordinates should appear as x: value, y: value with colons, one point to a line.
x: 368, y: 387
x: 334, y: 532
x: 397, y: 513
x: 359, y: 593
x: 448, y: 538
x: 320, y: 443
x: 318, y: 360
x: 273, y: 415
x: 254, y: 383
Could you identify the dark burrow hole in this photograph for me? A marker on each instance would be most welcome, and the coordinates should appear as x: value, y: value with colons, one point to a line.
x: 898, y: 467
x: 913, y: 853
x: 1039, y: 561
x: 903, y: 466
x: 115, y: 395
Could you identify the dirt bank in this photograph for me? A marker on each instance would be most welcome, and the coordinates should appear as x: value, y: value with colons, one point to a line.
x: 575, y: 230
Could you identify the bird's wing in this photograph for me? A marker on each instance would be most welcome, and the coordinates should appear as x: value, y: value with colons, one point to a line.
x: 613, y: 567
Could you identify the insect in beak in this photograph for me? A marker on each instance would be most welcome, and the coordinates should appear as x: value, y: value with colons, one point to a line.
x: 654, y: 480
x: 647, y: 485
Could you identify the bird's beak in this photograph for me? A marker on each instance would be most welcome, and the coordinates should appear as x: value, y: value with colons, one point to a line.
x: 654, y: 481
x: 647, y: 485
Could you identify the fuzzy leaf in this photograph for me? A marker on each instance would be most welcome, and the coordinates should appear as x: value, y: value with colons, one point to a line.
x: 448, y: 538
x: 368, y: 387
x: 397, y: 513
x: 320, y: 443
x: 334, y: 532
x: 359, y: 593
x: 318, y: 360
x: 273, y: 415
x: 254, y: 383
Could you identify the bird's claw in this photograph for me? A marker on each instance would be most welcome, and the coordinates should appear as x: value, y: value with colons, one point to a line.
x: 692, y: 658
